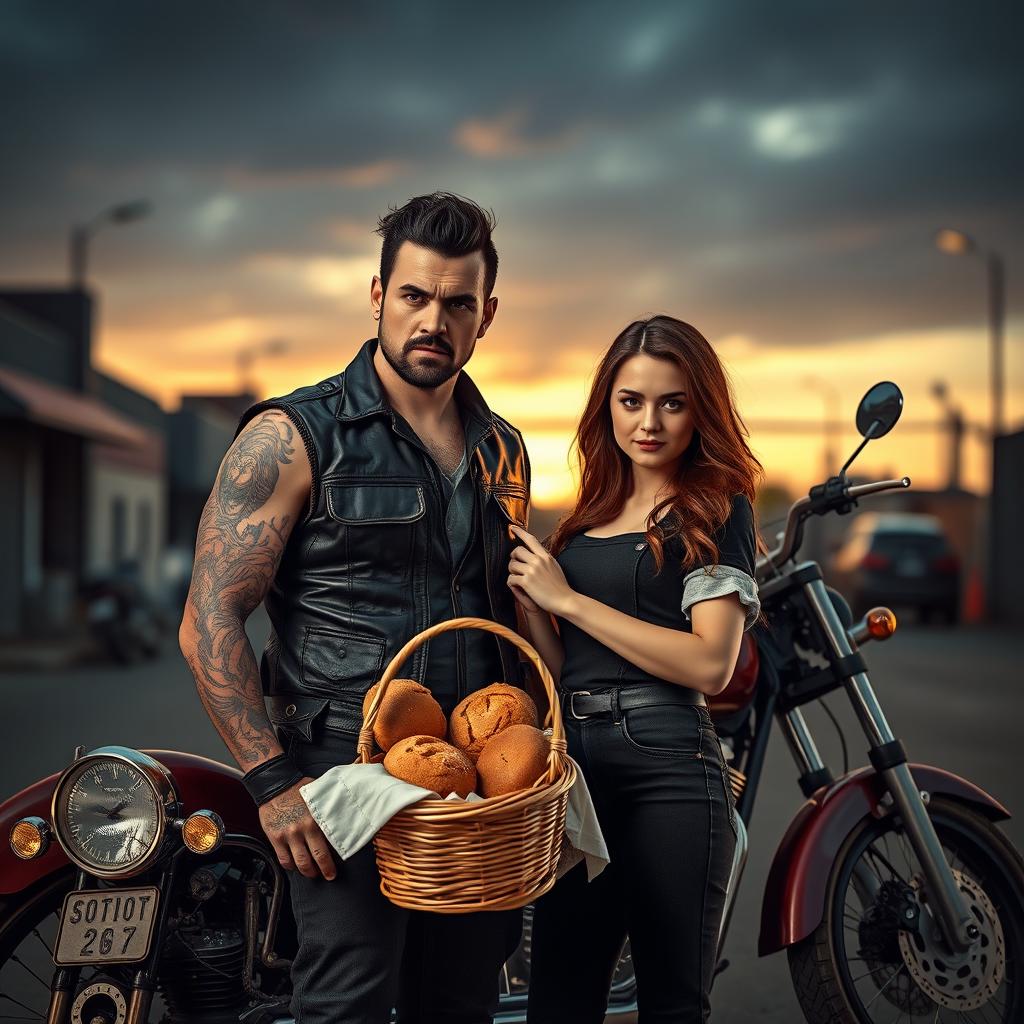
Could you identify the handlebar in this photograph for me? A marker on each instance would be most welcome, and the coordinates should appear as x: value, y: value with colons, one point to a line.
x: 833, y: 496
x: 860, y: 490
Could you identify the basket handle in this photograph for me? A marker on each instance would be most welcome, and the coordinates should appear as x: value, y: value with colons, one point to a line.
x: 556, y: 753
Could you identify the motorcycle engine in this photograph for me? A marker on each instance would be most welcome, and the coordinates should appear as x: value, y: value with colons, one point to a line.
x: 203, y: 959
x: 201, y: 976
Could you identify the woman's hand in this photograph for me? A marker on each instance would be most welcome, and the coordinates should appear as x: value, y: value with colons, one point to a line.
x: 528, y: 606
x: 536, y: 576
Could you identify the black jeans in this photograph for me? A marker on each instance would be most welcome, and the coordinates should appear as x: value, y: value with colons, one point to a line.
x: 658, y: 781
x: 360, y: 955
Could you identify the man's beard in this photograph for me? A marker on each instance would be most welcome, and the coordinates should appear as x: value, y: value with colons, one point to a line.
x: 419, y: 376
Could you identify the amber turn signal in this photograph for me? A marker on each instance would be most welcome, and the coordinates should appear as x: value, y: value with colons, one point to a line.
x: 203, y: 831
x: 30, y: 838
x: 881, y: 623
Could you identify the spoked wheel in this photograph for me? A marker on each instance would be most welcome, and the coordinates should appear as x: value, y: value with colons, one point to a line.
x: 28, y: 931
x: 877, y: 956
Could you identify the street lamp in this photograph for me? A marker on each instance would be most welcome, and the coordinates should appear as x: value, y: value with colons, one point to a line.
x: 831, y: 396
x: 958, y: 243
x: 955, y: 427
x: 81, y: 234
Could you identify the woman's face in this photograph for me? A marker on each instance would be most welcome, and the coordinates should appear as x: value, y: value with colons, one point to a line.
x: 650, y: 411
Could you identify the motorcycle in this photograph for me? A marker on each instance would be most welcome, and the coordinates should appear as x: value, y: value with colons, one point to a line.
x: 137, y: 885
x: 893, y: 890
x: 124, y: 622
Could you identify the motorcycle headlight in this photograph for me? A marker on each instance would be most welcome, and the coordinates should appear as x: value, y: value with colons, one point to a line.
x: 110, y: 811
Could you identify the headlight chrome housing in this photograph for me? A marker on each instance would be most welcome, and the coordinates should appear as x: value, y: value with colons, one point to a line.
x: 111, y: 810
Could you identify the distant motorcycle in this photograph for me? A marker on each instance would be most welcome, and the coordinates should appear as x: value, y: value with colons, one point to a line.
x: 121, y: 617
x: 138, y: 884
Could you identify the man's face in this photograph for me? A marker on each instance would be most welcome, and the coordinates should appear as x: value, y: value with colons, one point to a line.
x: 432, y: 314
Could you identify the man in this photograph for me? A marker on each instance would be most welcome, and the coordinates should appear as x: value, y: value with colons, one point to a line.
x: 363, y: 509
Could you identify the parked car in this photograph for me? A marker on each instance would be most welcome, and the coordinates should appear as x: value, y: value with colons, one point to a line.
x: 899, y: 559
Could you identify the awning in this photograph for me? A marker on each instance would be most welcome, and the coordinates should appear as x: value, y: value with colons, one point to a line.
x: 62, y: 409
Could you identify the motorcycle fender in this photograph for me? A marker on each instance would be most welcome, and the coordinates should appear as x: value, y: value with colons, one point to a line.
x: 201, y: 784
x: 794, y: 896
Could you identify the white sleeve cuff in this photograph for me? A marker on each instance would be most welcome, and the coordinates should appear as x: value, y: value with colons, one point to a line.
x: 716, y: 581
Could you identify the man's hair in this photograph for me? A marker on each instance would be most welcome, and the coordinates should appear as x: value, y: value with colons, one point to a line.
x: 444, y: 223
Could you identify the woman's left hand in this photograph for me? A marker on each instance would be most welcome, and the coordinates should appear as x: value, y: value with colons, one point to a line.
x: 533, y: 571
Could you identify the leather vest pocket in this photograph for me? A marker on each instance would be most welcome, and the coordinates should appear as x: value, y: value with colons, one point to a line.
x: 293, y: 715
x: 371, y: 502
x: 334, y: 662
x: 377, y: 539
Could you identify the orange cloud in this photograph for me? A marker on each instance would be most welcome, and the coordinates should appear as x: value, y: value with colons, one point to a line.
x: 503, y: 136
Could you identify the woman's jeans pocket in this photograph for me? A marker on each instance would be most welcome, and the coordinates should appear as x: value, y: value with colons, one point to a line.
x: 664, y: 730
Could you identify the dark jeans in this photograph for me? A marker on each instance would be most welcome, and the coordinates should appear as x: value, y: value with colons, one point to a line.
x: 658, y: 781
x: 360, y: 955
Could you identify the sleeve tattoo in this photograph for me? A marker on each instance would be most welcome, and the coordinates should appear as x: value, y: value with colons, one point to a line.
x: 238, y: 551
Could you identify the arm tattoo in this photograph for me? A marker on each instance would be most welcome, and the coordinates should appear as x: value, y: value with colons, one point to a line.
x: 237, y: 555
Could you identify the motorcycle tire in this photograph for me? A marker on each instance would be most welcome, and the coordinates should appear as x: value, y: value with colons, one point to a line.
x: 820, y: 966
x: 28, y: 929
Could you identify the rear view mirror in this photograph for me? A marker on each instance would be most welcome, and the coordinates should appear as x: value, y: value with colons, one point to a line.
x: 879, y: 410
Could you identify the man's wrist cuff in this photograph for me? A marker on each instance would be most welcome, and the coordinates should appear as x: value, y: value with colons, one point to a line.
x: 271, y: 778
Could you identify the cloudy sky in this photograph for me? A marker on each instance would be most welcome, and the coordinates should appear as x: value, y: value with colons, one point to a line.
x: 772, y: 173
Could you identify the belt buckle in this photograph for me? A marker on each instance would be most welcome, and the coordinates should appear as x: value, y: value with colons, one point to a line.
x: 572, y: 704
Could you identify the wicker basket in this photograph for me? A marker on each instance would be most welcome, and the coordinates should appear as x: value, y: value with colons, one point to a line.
x: 495, y: 854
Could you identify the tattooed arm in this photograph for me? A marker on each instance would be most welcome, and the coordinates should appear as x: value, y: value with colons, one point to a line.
x: 261, y: 490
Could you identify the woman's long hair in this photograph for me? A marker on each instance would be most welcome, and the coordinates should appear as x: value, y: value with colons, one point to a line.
x: 717, y: 464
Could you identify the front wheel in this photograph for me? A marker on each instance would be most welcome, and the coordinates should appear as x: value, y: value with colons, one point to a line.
x: 877, y: 957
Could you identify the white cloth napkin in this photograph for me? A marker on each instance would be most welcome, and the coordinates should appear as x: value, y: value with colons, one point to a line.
x: 351, y: 802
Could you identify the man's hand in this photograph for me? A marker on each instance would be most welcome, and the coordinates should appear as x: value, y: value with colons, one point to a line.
x: 295, y: 836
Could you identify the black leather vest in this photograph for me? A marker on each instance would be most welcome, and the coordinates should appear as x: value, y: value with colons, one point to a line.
x: 362, y: 569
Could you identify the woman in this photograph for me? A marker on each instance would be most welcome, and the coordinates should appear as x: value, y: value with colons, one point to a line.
x: 650, y: 579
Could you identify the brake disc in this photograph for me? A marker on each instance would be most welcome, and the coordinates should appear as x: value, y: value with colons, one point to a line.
x: 963, y: 981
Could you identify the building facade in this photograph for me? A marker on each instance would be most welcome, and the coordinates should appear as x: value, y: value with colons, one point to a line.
x: 82, y: 466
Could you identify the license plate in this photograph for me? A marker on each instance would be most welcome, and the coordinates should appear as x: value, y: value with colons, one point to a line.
x: 106, y: 926
x: 910, y: 567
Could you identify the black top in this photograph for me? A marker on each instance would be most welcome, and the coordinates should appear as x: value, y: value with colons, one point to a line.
x: 620, y: 571
x: 464, y: 660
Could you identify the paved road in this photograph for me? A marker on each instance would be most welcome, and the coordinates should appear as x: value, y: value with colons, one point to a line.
x: 953, y: 696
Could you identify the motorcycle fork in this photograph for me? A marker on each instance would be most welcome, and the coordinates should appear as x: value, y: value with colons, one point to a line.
x: 889, y: 759
x: 62, y: 988
x: 140, y: 996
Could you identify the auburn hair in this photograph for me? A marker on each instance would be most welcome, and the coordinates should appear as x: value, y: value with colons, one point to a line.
x: 717, y: 465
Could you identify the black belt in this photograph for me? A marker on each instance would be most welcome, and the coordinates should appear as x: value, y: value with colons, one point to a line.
x: 581, y: 704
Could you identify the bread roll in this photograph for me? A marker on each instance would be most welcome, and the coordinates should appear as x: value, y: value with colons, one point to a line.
x: 408, y: 709
x: 486, y: 713
x: 513, y: 759
x: 433, y: 764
